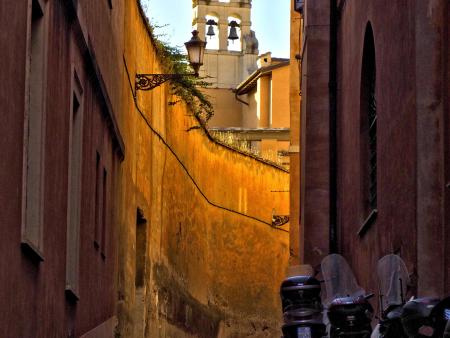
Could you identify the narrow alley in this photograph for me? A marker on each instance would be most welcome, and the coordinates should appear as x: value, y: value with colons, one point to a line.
x: 221, y: 189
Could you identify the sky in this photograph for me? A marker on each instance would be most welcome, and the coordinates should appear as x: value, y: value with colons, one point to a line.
x: 270, y: 21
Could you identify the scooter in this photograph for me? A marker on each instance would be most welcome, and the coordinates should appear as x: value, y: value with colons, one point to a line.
x: 349, y: 312
x: 418, y: 318
x: 302, y: 308
x: 393, y: 279
x: 426, y: 317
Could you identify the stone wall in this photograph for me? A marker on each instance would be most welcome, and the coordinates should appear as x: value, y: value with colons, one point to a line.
x: 195, y: 219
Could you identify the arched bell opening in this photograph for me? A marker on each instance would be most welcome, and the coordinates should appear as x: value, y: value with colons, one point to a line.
x: 212, y: 31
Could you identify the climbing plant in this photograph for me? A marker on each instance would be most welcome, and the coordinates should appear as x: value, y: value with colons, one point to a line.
x: 188, y: 88
x: 174, y: 61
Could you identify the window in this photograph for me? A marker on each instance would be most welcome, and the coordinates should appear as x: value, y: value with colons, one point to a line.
x: 34, y: 133
x: 368, y: 132
x: 101, y: 206
x: 141, y: 248
x: 104, y: 212
x: 140, y: 269
x: 74, y: 188
x: 98, y: 202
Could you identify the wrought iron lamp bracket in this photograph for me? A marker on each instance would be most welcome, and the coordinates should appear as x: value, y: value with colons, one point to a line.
x: 151, y: 81
x: 279, y: 220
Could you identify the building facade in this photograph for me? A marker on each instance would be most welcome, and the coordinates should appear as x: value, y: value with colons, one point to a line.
x: 62, y: 153
x: 121, y: 216
x: 374, y: 138
x: 264, y: 98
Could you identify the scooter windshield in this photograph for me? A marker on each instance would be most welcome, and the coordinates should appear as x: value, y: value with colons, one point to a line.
x: 392, y: 278
x: 339, y: 279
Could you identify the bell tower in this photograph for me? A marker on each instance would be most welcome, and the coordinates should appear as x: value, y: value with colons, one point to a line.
x: 231, y: 52
x: 223, y: 12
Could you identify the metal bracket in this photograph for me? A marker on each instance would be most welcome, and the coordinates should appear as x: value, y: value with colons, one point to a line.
x: 279, y: 220
x: 151, y: 81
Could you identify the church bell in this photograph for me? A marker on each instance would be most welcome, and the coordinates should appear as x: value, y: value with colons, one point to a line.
x: 210, y: 32
x: 233, y: 32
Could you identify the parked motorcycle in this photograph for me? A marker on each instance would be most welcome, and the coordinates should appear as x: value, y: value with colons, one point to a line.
x: 349, y: 312
x: 302, y: 308
x: 393, y: 279
x: 426, y: 317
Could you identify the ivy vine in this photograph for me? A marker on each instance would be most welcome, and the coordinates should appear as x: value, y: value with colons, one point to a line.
x: 187, y: 88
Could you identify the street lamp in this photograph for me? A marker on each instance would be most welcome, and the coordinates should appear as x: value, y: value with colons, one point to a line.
x: 196, y: 51
x: 298, y: 6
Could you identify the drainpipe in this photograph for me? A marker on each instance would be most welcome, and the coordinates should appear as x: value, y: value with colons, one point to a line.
x: 236, y: 96
x: 332, y: 86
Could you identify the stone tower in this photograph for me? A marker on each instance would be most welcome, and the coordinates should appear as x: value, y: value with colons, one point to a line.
x: 227, y: 62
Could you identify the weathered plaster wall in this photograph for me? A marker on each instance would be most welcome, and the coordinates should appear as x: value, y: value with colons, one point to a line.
x: 263, y: 99
x: 210, y: 271
x: 250, y: 114
x: 314, y: 133
x: 294, y: 148
x: 280, y: 97
x: 229, y: 110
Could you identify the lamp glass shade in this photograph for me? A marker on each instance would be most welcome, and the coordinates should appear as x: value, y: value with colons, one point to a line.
x: 298, y: 5
x: 196, y: 50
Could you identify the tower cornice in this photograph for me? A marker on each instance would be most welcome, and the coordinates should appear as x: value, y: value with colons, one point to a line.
x: 232, y: 3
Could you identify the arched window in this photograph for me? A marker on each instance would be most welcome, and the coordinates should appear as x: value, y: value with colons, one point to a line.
x: 212, y: 31
x: 234, y: 33
x: 368, y: 129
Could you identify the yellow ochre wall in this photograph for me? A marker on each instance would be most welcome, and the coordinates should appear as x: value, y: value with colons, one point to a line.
x: 213, y: 263
x: 280, y: 97
x: 227, y: 110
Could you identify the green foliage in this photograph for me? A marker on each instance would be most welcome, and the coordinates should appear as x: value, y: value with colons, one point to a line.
x: 188, y: 88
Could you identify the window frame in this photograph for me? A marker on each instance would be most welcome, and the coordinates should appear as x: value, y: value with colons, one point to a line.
x: 368, y: 134
x: 74, y: 184
x: 32, y: 218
